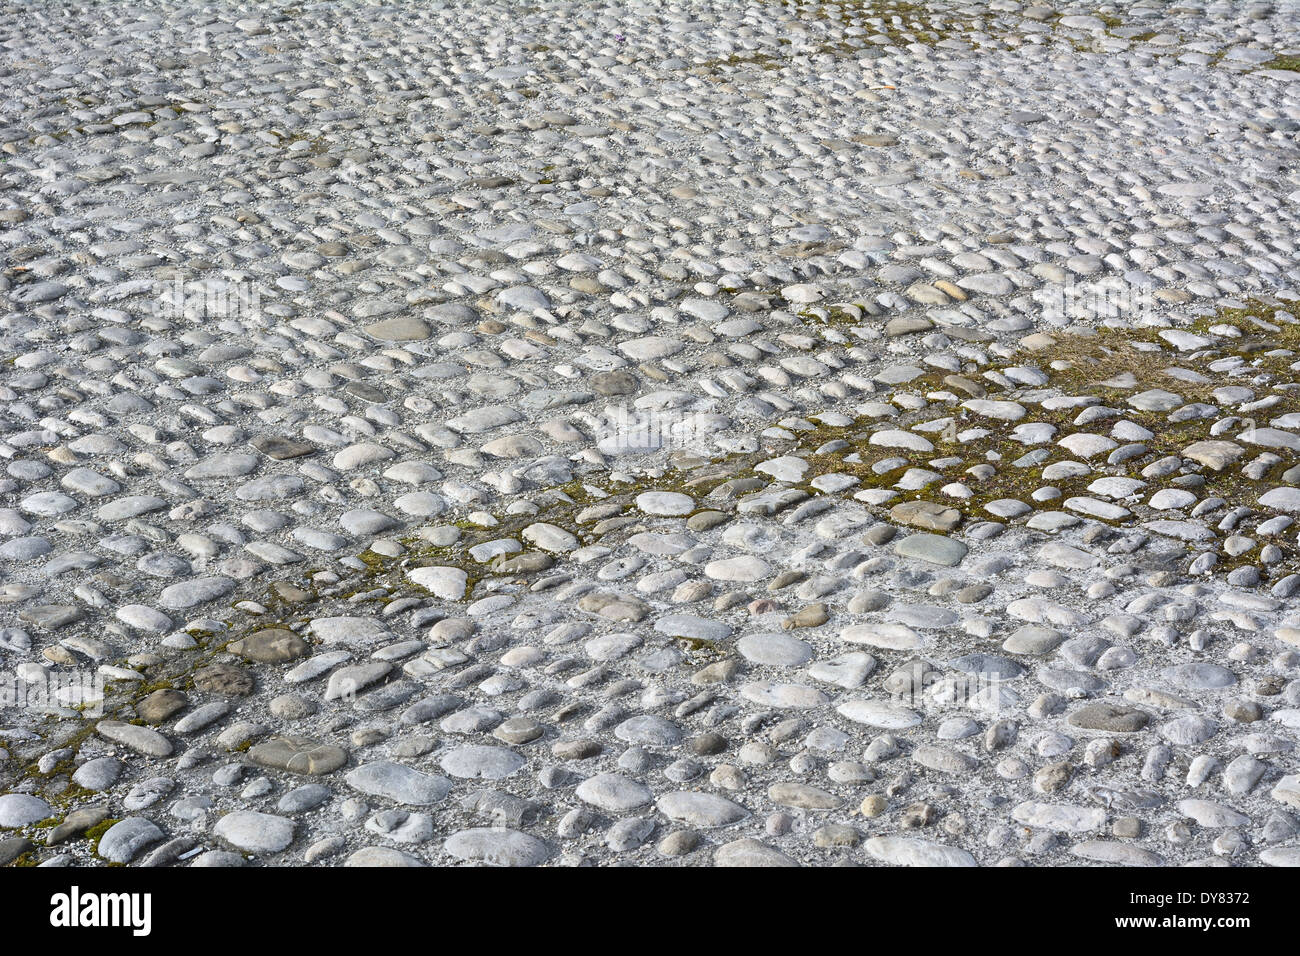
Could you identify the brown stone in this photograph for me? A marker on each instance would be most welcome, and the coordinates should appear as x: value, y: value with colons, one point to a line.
x: 1053, y: 777
x: 228, y: 679
x: 281, y: 448
x: 814, y: 615
x: 271, y: 646
x: 11, y: 848
x: 926, y: 514
x: 1110, y: 717
x: 575, y: 749
x: 298, y: 755
x: 161, y: 704
x: 76, y: 823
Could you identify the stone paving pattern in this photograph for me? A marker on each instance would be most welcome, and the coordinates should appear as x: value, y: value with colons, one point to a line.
x: 709, y: 433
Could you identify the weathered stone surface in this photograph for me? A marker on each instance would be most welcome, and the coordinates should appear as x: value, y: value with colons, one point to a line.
x: 401, y: 784
x: 140, y: 739
x: 932, y: 548
x: 270, y: 646
x: 298, y: 755
x: 750, y: 852
x: 906, y: 851
x: 704, y: 810
x: 555, y: 443
x: 255, y: 832
x: 928, y: 515
x: 230, y: 680
x: 1111, y: 717
x: 497, y: 847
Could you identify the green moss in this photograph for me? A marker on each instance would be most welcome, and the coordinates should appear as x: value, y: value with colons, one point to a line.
x: 1280, y: 334
x: 96, y: 833
x: 1282, y: 63
x: 55, y: 741
x: 1086, y: 363
x: 718, y: 68
x: 74, y: 792
x: 833, y: 315
x: 147, y: 688
x: 701, y: 651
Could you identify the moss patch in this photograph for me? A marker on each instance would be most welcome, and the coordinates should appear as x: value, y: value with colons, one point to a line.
x: 96, y: 833
x: 1282, y: 63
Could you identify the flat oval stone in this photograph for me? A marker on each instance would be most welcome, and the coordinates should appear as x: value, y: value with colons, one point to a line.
x: 879, y: 713
x: 692, y: 627
x: 1192, y: 729
x: 666, y: 503
x: 750, y: 852
x: 187, y: 594
x: 988, y: 666
x: 845, y: 670
x: 255, y: 832
x: 777, y: 650
x: 1033, y: 639
x: 772, y: 694
x: 1112, y: 851
x: 298, y: 755
x: 381, y: 856
x: 906, y: 851
x: 125, y: 839
x: 481, y: 762
x: 270, y: 646
x: 932, y: 548
x: 22, y: 809
x: 1207, y: 813
x: 649, y: 729
x: 614, y: 792
x: 140, y: 739
x: 943, y: 759
x: 1109, y: 717
x: 893, y: 637
x: 1200, y: 675
x: 743, y: 569
x: 803, y: 796
x: 446, y: 583
x: 1061, y: 818
x: 399, y: 783
x: 497, y: 846
x: 696, y: 809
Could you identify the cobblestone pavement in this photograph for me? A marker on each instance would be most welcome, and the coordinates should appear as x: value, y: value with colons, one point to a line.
x: 709, y: 433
